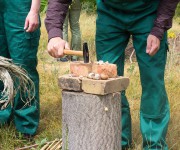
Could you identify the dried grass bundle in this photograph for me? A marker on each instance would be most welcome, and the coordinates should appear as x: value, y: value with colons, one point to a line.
x: 15, y: 79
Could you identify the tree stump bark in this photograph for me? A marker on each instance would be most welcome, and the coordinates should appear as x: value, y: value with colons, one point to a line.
x: 91, y: 122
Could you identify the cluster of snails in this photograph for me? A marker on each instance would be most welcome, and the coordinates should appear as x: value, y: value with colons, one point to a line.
x: 93, y: 75
x: 97, y: 76
x: 101, y: 62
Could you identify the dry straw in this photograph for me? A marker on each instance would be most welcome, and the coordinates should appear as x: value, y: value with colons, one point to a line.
x: 14, y: 80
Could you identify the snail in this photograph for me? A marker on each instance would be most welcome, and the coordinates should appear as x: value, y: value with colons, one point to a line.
x: 91, y: 75
x: 104, y: 76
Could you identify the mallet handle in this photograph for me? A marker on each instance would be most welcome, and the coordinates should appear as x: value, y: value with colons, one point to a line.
x: 73, y: 52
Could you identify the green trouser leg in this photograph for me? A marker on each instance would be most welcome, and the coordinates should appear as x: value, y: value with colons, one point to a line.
x: 136, y: 18
x: 154, y: 111
x: 22, y: 47
x: 73, y: 16
x: 110, y: 46
x: 4, y: 114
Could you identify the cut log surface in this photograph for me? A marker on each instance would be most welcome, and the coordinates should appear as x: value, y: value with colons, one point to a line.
x: 91, y: 122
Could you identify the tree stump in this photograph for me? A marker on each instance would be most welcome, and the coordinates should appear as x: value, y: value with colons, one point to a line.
x: 91, y: 113
x: 91, y: 122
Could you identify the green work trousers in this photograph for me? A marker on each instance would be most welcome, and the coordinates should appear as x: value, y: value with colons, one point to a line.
x: 21, y: 47
x: 72, y: 18
x: 116, y: 21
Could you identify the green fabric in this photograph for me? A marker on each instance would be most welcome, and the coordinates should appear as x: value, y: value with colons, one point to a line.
x: 22, y: 48
x: 116, y: 21
x: 72, y: 17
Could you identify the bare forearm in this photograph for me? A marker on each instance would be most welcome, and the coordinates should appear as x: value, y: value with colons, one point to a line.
x: 35, y: 6
x: 32, y: 19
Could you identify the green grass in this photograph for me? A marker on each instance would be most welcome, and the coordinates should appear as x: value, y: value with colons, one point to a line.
x: 50, y: 94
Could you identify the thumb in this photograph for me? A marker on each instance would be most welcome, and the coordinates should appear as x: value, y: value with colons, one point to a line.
x: 26, y: 24
x: 149, y: 44
x: 67, y: 45
x: 60, y: 50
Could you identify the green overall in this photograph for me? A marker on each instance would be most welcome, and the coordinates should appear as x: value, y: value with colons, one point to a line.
x: 22, y: 48
x: 72, y: 17
x: 116, y: 21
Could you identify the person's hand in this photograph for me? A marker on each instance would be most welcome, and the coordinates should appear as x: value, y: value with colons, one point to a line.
x: 32, y: 21
x: 56, y: 47
x: 153, y: 44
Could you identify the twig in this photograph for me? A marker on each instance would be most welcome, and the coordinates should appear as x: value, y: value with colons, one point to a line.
x: 27, y: 147
x: 130, y: 58
x: 53, y: 145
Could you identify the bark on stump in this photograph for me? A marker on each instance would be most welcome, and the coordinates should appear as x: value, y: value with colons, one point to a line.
x: 91, y: 122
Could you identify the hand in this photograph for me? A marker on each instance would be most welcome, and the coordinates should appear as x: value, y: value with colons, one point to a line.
x: 56, y: 47
x: 31, y: 22
x: 153, y: 44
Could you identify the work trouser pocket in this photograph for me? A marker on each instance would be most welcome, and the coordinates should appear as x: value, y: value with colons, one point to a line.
x: 29, y: 43
x: 32, y: 36
x: 25, y: 54
x: 30, y: 40
x: 21, y: 44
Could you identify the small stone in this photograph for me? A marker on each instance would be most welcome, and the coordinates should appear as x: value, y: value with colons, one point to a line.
x: 81, y: 77
x: 91, y: 75
x: 100, y: 62
x: 104, y: 76
x: 106, y: 109
x: 97, y: 77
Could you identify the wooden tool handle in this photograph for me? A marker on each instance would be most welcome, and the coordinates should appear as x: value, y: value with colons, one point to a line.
x: 73, y: 52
